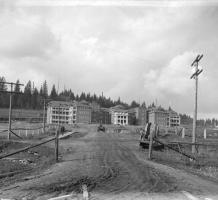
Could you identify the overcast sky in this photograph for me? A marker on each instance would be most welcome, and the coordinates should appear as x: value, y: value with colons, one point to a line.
x: 136, y: 52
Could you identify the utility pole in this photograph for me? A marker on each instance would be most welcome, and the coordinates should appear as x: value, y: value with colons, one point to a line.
x: 195, y: 76
x: 10, y: 111
x: 57, y: 137
x: 11, y: 92
x: 44, y: 117
x: 45, y: 101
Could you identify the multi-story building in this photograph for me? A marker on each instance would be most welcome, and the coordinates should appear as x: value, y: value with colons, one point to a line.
x: 119, y: 115
x: 83, y: 112
x: 133, y: 116
x: 158, y: 116
x: 173, y: 119
x: 165, y: 118
x: 141, y: 115
x: 138, y: 115
x: 101, y: 116
x: 60, y: 112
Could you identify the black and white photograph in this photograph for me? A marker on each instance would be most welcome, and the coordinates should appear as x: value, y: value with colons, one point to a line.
x: 108, y: 100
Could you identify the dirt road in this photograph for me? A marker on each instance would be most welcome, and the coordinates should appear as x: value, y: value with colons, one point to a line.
x: 113, y: 167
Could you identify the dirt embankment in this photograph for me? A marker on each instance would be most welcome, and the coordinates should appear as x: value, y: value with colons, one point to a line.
x: 25, y: 163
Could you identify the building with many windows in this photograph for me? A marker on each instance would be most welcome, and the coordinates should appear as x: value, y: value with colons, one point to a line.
x: 158, y: 116
x: 83, y: 112
x: 60, y: 112
x: 173, y: 119
x: 119, y: 115
x: 161, y: 117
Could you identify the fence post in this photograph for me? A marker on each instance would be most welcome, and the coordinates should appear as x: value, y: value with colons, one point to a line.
x: 38, y: 131
x: 33, y: 132
x: 183, y: 132
x: 205, y: 133
x: 26, y: 132
x: 56, y: 144
x: 150, y: 145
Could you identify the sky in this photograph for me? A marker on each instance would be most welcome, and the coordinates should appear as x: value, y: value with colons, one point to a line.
x: 141, y: 50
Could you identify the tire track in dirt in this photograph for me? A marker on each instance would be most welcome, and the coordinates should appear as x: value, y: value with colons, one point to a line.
x: 131, y: 175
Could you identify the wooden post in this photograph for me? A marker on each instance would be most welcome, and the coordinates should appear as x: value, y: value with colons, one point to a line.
x: 183, y: 132
x: 195, y: 76
x: 9, y: 123
x: 150, y: 145
x: 26, y: 132
x: 44, y: 118
x: 195, y: 112
x: 205, y: 133
x: 56, y: 144
x: 157, y: 131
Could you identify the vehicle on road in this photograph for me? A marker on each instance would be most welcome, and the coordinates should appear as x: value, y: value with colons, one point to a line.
x: 101, y: 128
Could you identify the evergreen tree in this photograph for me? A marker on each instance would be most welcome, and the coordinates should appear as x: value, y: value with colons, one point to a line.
x: 17, y: 97
x: 3, y: 96
x: 82, y: 96
x: 35, y: 99
x: 27, y: 96
x: 3, y: 86
x: 53, y: 94
x: 134, y: 104
x: 45, y: 89
x: 143, y: 105
x: 41, y: 91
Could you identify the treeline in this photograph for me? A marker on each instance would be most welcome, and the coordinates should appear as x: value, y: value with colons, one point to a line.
x: 186, y: 119
x: 32, y: 97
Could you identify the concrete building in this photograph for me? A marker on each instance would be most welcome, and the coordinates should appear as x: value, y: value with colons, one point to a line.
x: 101, y: 116
x: 68, y: 112
x: 158, y: 116
x: 138, y: 116
x: 83, y: 112
x: 133, y: 116
x: 173, y: 119
x: 165, y: 118
x: 119, y: 115
x: 141, y: 115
